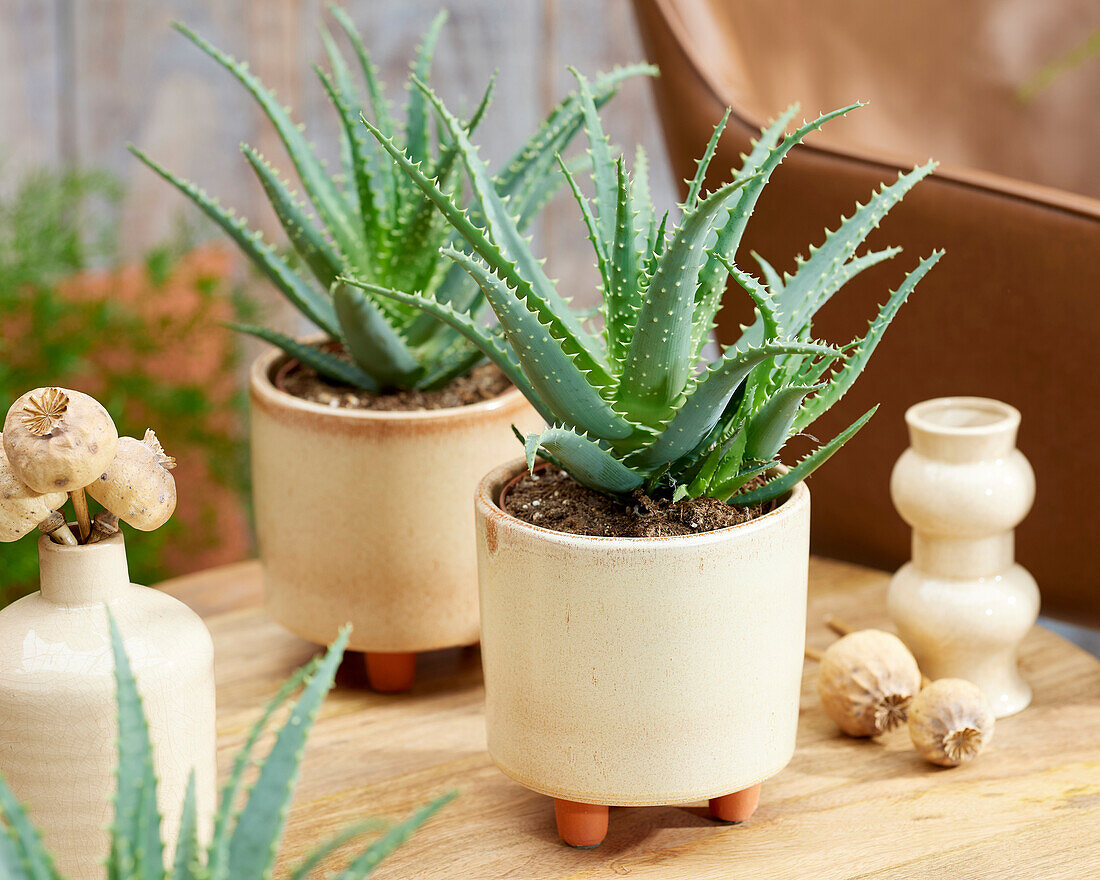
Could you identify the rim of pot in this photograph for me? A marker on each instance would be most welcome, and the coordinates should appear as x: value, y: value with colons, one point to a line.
x: 260, y: 377
x: 989, y: 415
x: 488, y: 490
x: 47, y: 545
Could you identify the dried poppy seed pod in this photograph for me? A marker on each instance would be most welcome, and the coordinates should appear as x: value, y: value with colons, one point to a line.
x: 867, y: 681
x: 21, y: 508
x: 138, y: 484
x: 950, y: 722
x: 58, y: 440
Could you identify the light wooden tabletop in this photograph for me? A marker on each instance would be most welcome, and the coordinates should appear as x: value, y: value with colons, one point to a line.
x: 1029, y: 807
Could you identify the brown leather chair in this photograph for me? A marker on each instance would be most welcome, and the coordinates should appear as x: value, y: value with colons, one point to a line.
x: 1012, y: 311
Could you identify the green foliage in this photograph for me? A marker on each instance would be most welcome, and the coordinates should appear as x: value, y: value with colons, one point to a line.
x: 245, y: 841
x: 373, y: 224
x: 633, y: 405
x: 72, y: 313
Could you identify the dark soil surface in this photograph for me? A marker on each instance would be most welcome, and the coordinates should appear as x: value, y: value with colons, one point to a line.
x: 482, y: 383
x: 554, y: 500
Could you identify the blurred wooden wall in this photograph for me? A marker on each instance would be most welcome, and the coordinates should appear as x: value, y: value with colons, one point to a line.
x: 80, y: 78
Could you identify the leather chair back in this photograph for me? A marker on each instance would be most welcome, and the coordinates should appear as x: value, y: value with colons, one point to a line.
x: 1013, y: 309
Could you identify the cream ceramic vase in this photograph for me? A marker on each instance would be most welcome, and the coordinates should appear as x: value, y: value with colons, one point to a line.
x: 364, y: 517
x: 58, y: 710
x: 641, y: 671
x: 962, y: 604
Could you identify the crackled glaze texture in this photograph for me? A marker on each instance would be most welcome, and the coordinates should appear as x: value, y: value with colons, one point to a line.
x: 962, y: 604
x: 58, y: 723
x: 641, y: 671
x: 365, y: 517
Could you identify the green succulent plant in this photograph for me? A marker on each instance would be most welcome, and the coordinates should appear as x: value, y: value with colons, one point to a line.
x: 245, y: 841
x: 633, y: 404
x: 373, y: 224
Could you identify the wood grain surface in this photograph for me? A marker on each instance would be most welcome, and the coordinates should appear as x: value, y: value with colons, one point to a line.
x: 1027, y: 808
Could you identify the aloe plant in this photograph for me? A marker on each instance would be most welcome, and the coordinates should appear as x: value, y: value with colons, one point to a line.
x: 245, y: 839
x: 633, y: 405
x: 373, y: 224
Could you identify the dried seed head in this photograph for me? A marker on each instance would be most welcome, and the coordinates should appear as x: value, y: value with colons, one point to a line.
x: 21, y: 508
x: 137, y: 485
x: 950, y: 722
x: 43, y: 412
x: 58, y: 440
x: 150, y: 440
x: 867, y: 681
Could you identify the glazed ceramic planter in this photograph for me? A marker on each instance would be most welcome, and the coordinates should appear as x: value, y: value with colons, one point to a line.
x: 364, y: 517
x: 58, y: 709
x: 962, y: 604
x: 641, y: 671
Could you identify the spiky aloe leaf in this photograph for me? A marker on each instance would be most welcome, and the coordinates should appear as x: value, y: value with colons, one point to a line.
x: 707, y: 401
x: 306, y: 238
x: 490, y: 345
x: 312, y: 304
x: 770, y: 426
x: 767, y: 309
x: 536, y: 156
x: 784, y: 483
x: 603, y: 164
x: 458, y: 362
x: 558, y: 380
x: 846, y: 376
x: 136, y: 848
x: 586, y: 461
x: 775, y: 281
x: 727, y: 455
x: 658, y: 361
x: 186, y: 865
x: 217, y: 861
x: 322, y: 362
x: 384, y: 178
x: 417, y: 129
x: 364, y: 864
x: 759, y: 165
x: 329, y: 202
x: 643, y: 204
x: 826, y: 269
x: 623, y: 297
x: 259, y: 826
x: 372, y: 339
x: 725, y: 486
x: 380, y: 106
x: 602, y: 256
x: 696, y: 185
x: 557, y: 315
x: 22, y: 854
x: 375, y: 216
x: 341, y: 76
x: 538, y: 193
x: 306, y: 867
x: 521, y: 268
x: 414, y: 265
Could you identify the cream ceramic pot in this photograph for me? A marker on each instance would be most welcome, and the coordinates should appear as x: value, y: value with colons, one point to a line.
x: 58, y: 710
x: 640, y: 671
x: 963, y: 604
x: 365, y: 517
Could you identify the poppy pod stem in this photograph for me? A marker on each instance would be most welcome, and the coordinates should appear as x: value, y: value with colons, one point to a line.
x: 80, y: 508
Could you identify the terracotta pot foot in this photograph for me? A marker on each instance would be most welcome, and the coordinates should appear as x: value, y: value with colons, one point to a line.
x: 581, y: 825
x: 736, y: 807
x: 390, y: 673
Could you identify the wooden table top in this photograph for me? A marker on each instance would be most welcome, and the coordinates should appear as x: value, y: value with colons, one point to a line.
x: 1029, y: 807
